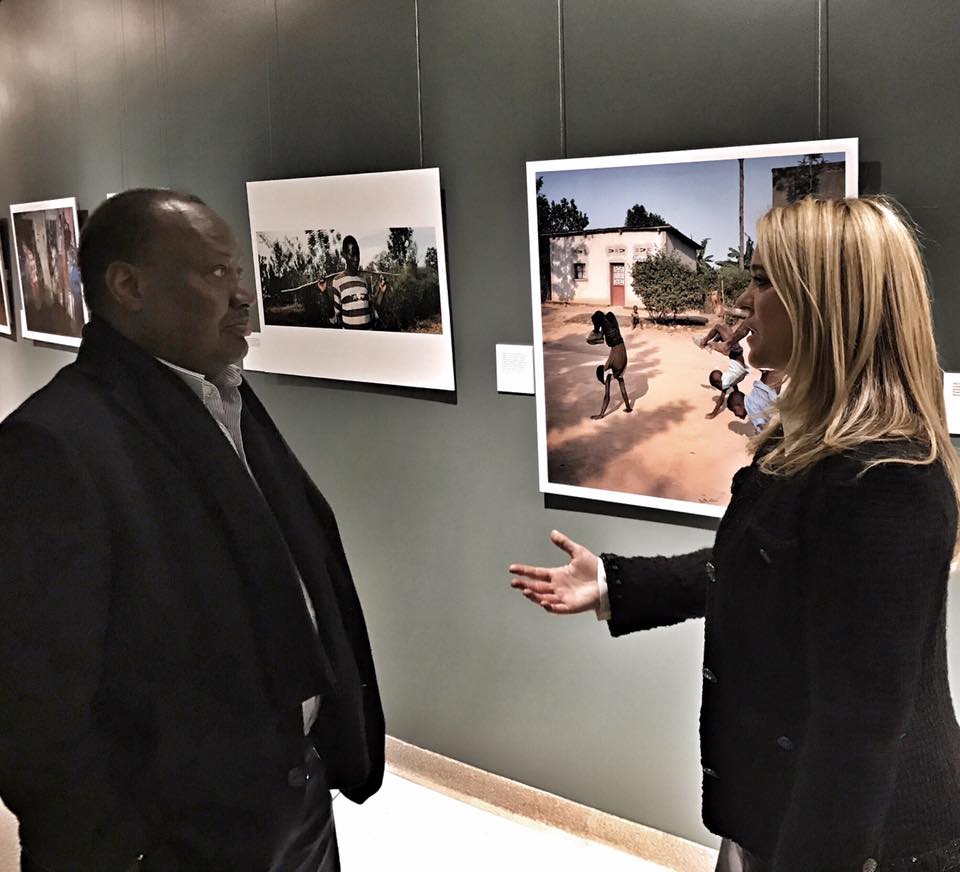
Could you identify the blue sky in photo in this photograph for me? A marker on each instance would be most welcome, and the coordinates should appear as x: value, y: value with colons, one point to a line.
x: 374, y: 243
x: 700, y: 199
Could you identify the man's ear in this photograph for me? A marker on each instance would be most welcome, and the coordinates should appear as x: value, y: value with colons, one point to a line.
x: 124, y: 286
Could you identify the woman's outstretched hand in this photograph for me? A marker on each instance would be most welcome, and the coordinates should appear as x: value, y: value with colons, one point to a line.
x: 564, y: 590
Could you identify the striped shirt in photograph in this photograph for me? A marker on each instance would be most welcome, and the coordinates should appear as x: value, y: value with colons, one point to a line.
x: 352, y: 303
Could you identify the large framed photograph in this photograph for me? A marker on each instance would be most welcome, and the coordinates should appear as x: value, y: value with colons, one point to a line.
x: 351, y: 279
x: 51, y: 296
x: 6, y: 306
x: 644, y: 394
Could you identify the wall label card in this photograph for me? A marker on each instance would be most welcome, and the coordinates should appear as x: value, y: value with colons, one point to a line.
x: 951, y: 396
x: 515, y: 369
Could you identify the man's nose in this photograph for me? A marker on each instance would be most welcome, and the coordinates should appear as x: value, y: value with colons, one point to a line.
x: 243, y: 295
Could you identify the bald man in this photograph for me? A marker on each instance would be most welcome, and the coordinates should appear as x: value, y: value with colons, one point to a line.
x: 184, y: 667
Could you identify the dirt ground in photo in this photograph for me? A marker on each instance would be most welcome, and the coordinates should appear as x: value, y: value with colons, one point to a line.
x: 665, y: 447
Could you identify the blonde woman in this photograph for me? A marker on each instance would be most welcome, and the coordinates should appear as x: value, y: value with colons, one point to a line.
x: 828, y: 736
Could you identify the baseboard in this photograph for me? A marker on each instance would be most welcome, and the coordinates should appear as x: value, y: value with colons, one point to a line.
x: 511, y: 798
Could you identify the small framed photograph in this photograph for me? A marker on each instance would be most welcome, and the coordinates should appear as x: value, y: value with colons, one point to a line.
x: 644, y: 395
x: 6, y: 306
x: 351, y: 279
x: 45, y: 238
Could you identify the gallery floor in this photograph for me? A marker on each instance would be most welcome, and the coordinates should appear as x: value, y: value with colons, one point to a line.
x: 408, y: 826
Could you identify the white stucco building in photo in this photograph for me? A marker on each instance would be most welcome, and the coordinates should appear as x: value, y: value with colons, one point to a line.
x: 593, y: 266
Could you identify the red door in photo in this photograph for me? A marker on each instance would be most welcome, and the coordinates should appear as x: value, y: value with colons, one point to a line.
x: 618, y: 282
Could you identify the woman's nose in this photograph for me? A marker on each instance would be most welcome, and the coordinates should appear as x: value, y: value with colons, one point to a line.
x: 745, y: 300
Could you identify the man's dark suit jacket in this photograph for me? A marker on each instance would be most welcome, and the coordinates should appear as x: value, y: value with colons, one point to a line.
x: 136, y: 715
x: 828, y: 736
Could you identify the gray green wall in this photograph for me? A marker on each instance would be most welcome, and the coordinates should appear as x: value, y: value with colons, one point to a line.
x: 435, y: 498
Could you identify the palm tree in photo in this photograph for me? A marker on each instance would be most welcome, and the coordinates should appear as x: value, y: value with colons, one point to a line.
x: 740, y: 161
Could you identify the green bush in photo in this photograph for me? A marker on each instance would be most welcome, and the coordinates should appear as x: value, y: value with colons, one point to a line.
x: 667, y: 287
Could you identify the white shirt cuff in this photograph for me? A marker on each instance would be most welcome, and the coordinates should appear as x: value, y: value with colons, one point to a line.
x: 603, y: 607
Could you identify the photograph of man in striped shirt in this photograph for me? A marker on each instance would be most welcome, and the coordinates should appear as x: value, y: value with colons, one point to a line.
x: 354, y: 302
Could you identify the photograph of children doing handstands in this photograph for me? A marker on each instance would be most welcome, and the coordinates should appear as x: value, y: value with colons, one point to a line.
x: 647, y: 385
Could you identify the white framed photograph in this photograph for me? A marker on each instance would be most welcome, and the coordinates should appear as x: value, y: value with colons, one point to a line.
x: 45, y: 237
x: 351, y: 279
x: 643, y: 393
x: 6, y: 305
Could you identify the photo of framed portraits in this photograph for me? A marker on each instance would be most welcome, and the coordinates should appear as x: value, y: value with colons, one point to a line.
x: 636, y: 265
x: 351, y: 279
x: 45, y: 238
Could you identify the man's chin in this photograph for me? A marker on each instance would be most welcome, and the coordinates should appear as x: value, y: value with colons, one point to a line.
x: 236, y: 341
x: 233, y: 352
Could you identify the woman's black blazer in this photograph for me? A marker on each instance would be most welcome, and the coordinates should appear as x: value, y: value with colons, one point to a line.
x: 828, y: 736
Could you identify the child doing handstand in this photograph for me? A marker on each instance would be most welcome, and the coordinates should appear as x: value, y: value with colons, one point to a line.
x: 607, y: 329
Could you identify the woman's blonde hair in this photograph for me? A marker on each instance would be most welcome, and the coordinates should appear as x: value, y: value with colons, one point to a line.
x: 863, y: 366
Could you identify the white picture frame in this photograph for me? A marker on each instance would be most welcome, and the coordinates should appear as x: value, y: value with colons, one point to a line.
x: 365, y: 206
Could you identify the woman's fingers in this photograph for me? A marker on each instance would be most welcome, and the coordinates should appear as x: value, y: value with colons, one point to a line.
x: 561, y: 540
x: 542, y: 573
x: 538, y: 598
x: 547, y: 600
x: 534, y: 586
x: 539, y: 573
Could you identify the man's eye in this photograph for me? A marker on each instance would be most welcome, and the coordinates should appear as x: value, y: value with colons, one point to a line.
x: 219, y: 272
